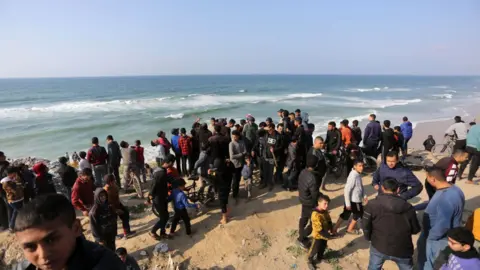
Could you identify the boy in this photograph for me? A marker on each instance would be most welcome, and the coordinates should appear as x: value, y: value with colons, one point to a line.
x: 13, y: 187
x: 129, y: 261
x: 51, y: 238
x: 103, y: 220
x: 460, y: 253
x: 429, y: 143
x: 354, y: 194
x: 321, y: 231
x: 83, y: 161
x: 247, y: 172
x: 141, y: 160
x: 399, y: 141
x: 114, y: 200
x: 180, y: 206
x: 185, y: 145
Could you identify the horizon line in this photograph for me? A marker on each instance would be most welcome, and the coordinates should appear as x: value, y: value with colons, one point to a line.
x: 235, y: 74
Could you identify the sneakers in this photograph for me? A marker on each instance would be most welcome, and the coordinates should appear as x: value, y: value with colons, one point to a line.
x: 302, y: 244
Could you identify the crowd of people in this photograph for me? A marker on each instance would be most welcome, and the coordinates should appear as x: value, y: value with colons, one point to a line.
x: 224, y: 152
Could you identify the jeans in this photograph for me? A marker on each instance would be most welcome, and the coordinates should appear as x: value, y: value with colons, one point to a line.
x: 178, y: 158
x: 162, y: 209
x: 114, y: 169
x: 291, y: 181
x: 268, y: 166
x: 236, y: 177
x: 200, y: 162
x: 303, y: 230
x: 428, y: 251
x: 377, y: 259
x: 99, y: 172
x: 15, y: 207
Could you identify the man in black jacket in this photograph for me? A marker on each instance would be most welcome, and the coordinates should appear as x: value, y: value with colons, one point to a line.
x: 320, y: 168
x: 51, y: 237
x: 67, y: 174
x: 333, y: 142
x: 389, y: 223
x: 258, y: 151
x: 272, y: 154
x: 5, y: 209
x: 159, y: 196
x: 114, y: 157
x: 301, y: 136
x: 308, y: 192
x: 388, y: 140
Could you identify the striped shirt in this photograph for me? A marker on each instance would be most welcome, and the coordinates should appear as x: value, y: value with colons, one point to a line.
x: 450, y: 167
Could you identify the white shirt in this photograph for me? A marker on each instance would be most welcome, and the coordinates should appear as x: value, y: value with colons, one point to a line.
x: 460, y: 129
x: 84, y: 164
x: 6, y: 179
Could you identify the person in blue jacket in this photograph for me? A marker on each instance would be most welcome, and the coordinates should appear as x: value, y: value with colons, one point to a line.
x: 176, y: 149
x: 372, y: 136
x: 181, y: 204
x: 407, y: 130
x: 409, y: 184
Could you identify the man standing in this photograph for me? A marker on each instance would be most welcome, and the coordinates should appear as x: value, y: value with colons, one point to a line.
x: 272, y: 153
x: 281, y: 159
x: 407, y: 131
x: 459, y: 131
x: 114, y: 157
x: 97, y: 156
x: 301, y: 136
x: 237, y: 151
x: 389, y: 223
x: 250, y: 132
x: 408, y: 183
x: 308, y: 193
x: 473, y: 148
x: 444, y: 212
x: 5, y: 210
x: 130, y: 168
x: 333, y: 142
x: 357, y: 132
x: 372, y: 136
x: 320, y: 169
x: 388, y: 139
x: 68, y: 175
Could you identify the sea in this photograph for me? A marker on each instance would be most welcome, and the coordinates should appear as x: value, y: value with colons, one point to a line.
x: 48, y: 117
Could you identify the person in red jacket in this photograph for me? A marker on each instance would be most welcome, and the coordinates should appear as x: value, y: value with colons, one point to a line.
x: 185, y: 144
x: 82, y: 192
x: 141, y: 160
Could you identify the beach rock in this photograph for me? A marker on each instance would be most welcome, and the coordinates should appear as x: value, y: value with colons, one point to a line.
x: 160, y: 248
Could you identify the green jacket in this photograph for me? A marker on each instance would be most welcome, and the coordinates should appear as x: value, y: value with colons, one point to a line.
x: 473, y: 137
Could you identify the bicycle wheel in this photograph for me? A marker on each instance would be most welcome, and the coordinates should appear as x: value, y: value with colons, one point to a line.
x: 370, y: 165
x: 441, y: 150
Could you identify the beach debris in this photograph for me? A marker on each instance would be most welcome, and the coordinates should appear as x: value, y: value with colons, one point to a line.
x: 143, y: 253
x: 243, y: 242
x: 160, y: 248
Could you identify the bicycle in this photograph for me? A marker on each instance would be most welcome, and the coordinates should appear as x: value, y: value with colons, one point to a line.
x: 370, y: 164
x: 445, y: 149
x: 340, y: 162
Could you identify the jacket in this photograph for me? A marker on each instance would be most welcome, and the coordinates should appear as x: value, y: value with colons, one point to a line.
x: 399, y: 141
x: 321, y: 225
x: 409, y: 184
x: 373, y: 132
x: 473, y: 137
x: 44, y: 180
x: 388, y: 139
x: 140, y: 156
x: 175, y: 146
x: 308, y: 189
x: 389, y: 223
x: 97, y: 155
x: 357, y: 133
x: 166, y: 144
x: 131, y: 263
x: 473, y: 224
x: 321, y: 166
x: 347, y: 136
x: 129, y: 156
x: 333, y: 140
x: 407, y: 130
x: 203, y: 136
x: 453, y: 260
x: 260, y: 143
x: 293, y: 159
x: 103, y: 218
x: 250, y: 132
x: 185, y: 145
x: 180, y: 200
x: 274, y: 141
x: 353, y: 191
x: 159, y: 188
x: 13, y: 189
x: 450, y: 168
x: 68, y: 174
x: 247, y: 171
x: 82, y: 195
x: 86, y: 255
x: 237, y: 151
x: 113, y: 195
x: 219, y: 147
x: 459, y: 130
x: 301, y: 137
x: 428, y: 144
x: 114, y: 154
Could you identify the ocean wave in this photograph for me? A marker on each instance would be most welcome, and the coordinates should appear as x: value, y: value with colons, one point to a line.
x: 304, y: 95
x: 242, y: 91
x: 378, y: 89
x: 450, y: 91
x: 175, y: 116
x: 442, y: 96
x: 439, y: 87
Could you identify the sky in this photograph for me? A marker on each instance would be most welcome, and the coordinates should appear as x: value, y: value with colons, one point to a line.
x: 58, y: 38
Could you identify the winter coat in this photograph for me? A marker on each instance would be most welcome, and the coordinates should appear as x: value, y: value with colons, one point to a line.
x: 68, y: 174
x: 103, y: 218
x: 407, y: 130
x: 114, y: 154
x: 409, y: 184
x: 373, y: 133
x: 308, y: 189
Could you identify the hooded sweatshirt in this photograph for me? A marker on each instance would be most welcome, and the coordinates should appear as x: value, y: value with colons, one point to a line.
x: 407, y: 130
x: 103, y: 219
x: 456, y: 260
x: 44, y: 180
x: 389, y: 223
x: 405, y: 178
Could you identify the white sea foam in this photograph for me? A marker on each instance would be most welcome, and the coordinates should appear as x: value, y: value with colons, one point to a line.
x: 175, y: 116
x: 439, y: 87
x: 242, y: 91
x: 442, y: 96
x: 378, y: 89
x: 304, y: 95
x: 377, y: 104
x: 450, y: 91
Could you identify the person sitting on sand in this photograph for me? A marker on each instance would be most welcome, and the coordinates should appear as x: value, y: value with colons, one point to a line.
x: 409, y: 184
x: 354, y: 195
x: 429, y: 143
x: 51, y: 238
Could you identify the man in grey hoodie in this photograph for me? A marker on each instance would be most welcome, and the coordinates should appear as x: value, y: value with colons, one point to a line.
x: 237, y: 151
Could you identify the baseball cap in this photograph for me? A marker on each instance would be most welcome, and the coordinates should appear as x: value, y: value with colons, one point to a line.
x: 269, y: 119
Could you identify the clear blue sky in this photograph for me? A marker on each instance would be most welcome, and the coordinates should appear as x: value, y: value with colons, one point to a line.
x: 61, y: 38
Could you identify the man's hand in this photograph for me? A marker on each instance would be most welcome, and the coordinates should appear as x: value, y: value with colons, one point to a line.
x: 349, y: 208
x: 198, y: 206
x: 365, y: 200
x: 85, y: 213
x: 334, y: 152
x: 253, y: 153
x: 271, y: 149
x: 101, y: 243
x: 376, y: 187
x: 209, y: 171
